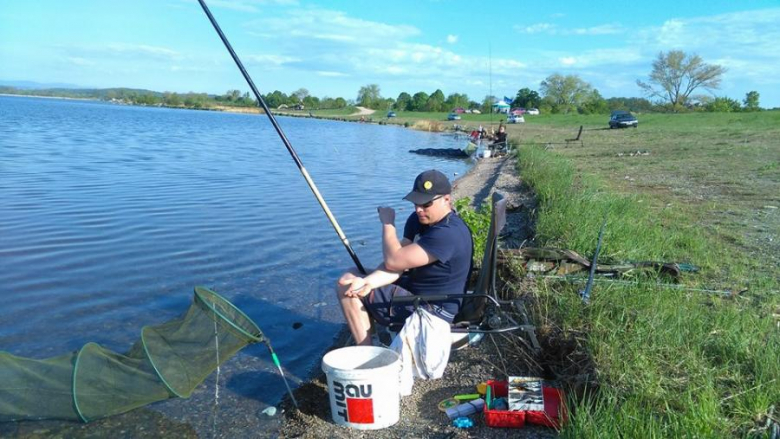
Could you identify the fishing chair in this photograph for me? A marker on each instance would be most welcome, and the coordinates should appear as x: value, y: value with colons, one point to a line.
x: 482, y: 312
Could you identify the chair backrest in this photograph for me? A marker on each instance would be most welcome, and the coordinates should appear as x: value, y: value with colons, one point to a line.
x: 473, y: 308
x: 576, y: 139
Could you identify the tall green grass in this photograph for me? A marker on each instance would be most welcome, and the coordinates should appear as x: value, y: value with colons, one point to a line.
x: 668, y: 362
x: 572, y: 208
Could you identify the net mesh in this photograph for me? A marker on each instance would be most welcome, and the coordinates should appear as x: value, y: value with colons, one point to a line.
x: 170, y: 360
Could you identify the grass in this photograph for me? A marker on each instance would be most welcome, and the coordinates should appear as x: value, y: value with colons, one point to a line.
x: 668, y: 362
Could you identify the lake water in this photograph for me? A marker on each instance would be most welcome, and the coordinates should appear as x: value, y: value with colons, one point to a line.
x: 110, y: 215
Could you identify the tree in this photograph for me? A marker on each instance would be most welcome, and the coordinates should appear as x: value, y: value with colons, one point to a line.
x: 751, y: 101
x: 301, y: 94
x: 676, y: 75
x: 386, y: 104
x: 527, y: 98
x: 435, y: 101
x: 594, y: 104
x: 565, y: 93
x: 368, y: 96
x: 633, y: 105
x: 311, y: 102
x: 171, y: 99
x: 419, y: 100
x: 232, y: 95
x: 404, y: 102
x: 487, y: 104
x: 339, y: 103
x: 456, y: 100
x: 275, y: 99
x: 723, y: 105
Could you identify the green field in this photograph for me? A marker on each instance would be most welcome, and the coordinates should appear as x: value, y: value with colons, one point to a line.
x: 697, y: 188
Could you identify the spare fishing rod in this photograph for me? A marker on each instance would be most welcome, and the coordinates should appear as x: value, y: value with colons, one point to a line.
x: 585, y: 294
x: 286, y: 142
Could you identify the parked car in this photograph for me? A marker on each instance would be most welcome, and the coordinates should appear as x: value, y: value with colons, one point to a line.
x: 453, y: 116
x: 622, y: 119
x: 475, y: 111
x: 391, y: 114
x: 516, y: 119
x: 533, y: 111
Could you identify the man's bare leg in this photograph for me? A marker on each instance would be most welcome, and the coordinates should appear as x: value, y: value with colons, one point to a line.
x: 355, y: 314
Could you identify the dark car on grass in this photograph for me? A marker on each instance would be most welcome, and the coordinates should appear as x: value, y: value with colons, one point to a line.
x: 622, y: 119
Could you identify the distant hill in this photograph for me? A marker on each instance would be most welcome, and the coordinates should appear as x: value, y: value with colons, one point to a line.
x: 133, y: 96
x: 26, y: 85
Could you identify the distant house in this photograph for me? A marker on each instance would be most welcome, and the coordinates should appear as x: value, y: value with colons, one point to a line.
x: 459, y: 110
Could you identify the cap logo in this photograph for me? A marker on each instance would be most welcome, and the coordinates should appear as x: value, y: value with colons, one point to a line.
x: 428, y: 185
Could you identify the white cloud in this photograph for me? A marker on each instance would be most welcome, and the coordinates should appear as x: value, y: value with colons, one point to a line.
x: 331, y: 74
x: 272, y: 59
x: 452, y: 39
x: 568, y: 60
x: 744, y: 42
x: 331, y: 25
x: 247, y: 5
x: 604, y: 29
x: 140, y: 49
x: 535, y: 28
x: 80, y: 61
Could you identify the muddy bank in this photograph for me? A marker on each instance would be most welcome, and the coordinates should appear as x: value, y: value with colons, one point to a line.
x: 491, y: 359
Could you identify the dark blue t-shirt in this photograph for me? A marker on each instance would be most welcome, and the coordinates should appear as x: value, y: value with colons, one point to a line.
x: 449, y: 241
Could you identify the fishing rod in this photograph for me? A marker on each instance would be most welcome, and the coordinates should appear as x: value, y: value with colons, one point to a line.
x: 286, y: 142
x: 585, y: 294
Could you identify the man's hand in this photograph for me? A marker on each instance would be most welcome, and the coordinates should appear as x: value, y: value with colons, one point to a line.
x: 358, y: 287
x: 386, y: 215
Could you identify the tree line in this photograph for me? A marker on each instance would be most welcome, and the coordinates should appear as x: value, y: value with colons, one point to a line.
x: 672, y: 82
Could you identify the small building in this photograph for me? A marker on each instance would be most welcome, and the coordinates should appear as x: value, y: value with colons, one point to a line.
x: 500, y: 107
x: 459, y: 110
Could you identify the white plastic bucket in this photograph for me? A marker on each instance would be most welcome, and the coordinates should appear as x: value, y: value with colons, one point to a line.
x: 363, y: 384
x: 486, y: 154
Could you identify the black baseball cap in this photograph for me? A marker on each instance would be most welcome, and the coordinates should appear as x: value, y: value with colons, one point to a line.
x: 427, y: 186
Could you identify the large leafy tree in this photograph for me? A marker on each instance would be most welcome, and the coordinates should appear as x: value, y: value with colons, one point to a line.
x: 404, y: 102
x: 565, y: 93
x: 435, y: 101
x: 676, y: 75
x: 419, y: 100
x: 275, y: 99
x: 300, y: 94
x: 456, y: 100
x: 751, y: 101
x: 369, y: 96
x: 527, y: 98
x: 594, y: 104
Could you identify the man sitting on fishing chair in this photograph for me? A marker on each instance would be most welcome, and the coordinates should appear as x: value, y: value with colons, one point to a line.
x: 434, y: 257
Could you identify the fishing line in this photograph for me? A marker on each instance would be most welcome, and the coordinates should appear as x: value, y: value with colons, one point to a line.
x: 286, y: 142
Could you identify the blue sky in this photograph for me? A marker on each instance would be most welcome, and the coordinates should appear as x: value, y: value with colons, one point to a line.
x: 333, y: 48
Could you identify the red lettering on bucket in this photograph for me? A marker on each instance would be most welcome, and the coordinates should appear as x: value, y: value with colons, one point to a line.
x: 361, y: 411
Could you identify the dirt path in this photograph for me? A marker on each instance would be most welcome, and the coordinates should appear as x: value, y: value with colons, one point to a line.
x: 363, y: 111
x: 420, y: 416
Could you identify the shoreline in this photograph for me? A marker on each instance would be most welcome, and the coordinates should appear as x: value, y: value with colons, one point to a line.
x: 419, y: 415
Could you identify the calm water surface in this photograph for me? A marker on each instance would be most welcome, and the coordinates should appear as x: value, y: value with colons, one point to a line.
x: 110, y: 215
